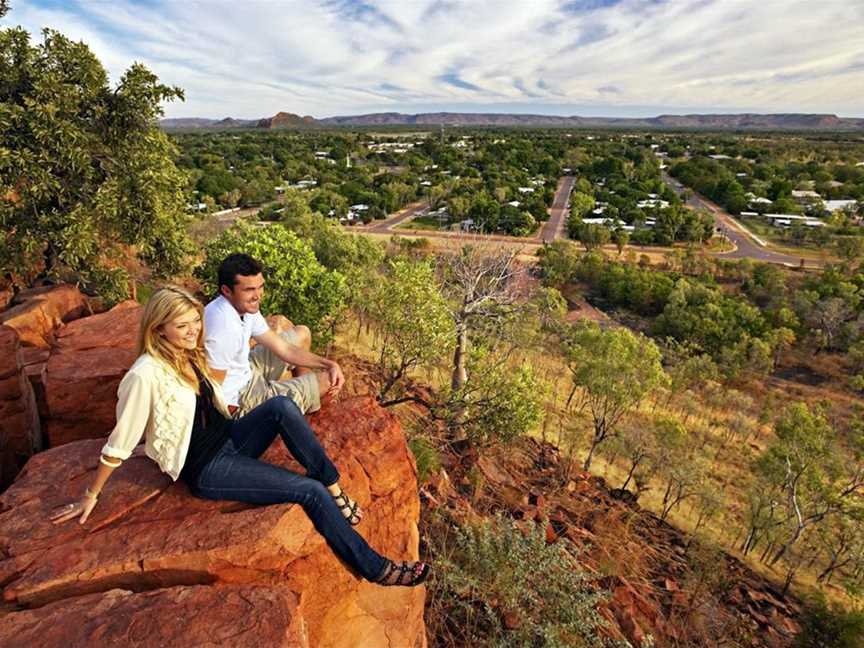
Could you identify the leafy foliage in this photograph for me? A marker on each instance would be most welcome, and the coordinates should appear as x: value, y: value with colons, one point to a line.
x: 412, y: 321
x: 506, y: 587
x: 298, y: 286
x: 615, y: 368
x: 84, y: 168
x: 498, y: 403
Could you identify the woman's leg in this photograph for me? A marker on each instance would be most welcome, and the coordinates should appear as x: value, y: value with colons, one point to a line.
x: 237, y: 477
x: 254, y: 432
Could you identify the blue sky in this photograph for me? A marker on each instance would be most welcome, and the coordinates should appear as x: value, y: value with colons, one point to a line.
x: 588, y: 57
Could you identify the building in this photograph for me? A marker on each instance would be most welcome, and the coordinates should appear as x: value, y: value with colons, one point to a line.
x: 786, y: 220
x: 832, y: 206
x: 652, y: 202
x: 805, y: 194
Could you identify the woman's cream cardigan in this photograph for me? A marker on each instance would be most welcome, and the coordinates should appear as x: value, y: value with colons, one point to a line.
x: 154, y: 402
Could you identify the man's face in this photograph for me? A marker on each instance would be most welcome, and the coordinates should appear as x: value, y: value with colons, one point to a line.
x: 246, y: 295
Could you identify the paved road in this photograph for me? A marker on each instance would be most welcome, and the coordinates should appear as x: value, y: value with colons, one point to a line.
x: 746, y: 247
x: 385, y: 226
x: 551, y: 230
x: 554, y: 227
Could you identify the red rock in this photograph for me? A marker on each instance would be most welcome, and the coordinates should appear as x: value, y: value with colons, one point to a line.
x: 6, y: 296
x: 85, y: 368
x: 20, y: 429
x: 41, y: 311
x: 117, y: 327
x: 512, y: 620
x: 237, y: 615
x: 149, y: 534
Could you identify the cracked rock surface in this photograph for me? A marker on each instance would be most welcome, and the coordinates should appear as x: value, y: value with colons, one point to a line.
x: 155, y: 566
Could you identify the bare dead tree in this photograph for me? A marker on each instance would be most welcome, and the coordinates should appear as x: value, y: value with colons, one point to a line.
x: 485, y: 282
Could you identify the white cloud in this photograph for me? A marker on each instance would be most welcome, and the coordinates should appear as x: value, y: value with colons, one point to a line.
x: 254, y: 58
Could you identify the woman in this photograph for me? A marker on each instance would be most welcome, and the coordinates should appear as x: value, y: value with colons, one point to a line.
x: 170, y: 397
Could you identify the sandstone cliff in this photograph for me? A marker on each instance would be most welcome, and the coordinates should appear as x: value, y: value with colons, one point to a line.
x: 156, y: 567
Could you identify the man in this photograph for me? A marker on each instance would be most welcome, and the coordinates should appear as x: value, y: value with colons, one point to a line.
x: 248, y: 379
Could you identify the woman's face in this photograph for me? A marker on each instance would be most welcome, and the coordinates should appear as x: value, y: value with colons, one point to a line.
x: 182, y: 332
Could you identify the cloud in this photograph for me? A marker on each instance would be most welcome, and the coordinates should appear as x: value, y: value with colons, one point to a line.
x: 331, y: 57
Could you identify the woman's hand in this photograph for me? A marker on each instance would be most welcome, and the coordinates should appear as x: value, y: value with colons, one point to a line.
x: 82, y: 508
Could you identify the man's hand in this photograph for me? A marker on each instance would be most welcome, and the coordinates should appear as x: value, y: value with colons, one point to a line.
x: 337, y: 378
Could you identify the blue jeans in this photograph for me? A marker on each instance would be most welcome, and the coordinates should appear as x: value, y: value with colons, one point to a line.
x: 236, y: 474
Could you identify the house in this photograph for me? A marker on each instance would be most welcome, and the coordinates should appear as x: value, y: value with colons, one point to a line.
x: 467, y: 225
x: 305, y: 184
x: 198, y: 207
x: 719, y: 156
x: 652, y: 202
x: 786, y: 220
x: 800, y: 195
x: 758, y: 200
x: 514, y: 203
x: 832, y: 206
x: 279, y: 190
x: 525, y: 190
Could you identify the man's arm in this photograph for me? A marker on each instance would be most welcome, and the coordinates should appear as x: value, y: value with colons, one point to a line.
x: 301, y: 357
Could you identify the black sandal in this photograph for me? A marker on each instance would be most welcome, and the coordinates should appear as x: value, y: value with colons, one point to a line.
x: 404, y: 573
x: 350, y: 509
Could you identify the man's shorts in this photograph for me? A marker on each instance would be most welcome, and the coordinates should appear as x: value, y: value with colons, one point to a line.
x: 267, y: 381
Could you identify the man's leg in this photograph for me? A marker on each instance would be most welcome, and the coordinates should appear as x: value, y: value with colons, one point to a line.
x: 272, y: 367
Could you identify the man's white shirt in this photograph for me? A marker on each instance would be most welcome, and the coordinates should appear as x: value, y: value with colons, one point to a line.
x: 227, y: 336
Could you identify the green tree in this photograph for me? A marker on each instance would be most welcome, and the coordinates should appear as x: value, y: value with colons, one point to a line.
x: 616, y: 369
x: 581, y: 204
x: 298, y: 286
x: 85, y: 171
x: 559, y: 261
x: 411, y: 319
x: 805, y: 466
x: 498, y: 404
x: 620, y: 237
x: 593, y: 235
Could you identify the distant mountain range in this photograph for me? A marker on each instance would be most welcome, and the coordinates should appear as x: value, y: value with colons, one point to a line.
x: 746, y: 121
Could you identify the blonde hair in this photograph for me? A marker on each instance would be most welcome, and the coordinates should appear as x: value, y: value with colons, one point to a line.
x: 166, y: 305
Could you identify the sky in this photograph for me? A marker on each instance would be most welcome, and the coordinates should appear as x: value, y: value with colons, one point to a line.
x: 250, y: 59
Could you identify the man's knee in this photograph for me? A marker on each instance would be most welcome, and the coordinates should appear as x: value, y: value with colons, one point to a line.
x: 323, y: 382
x: 303, y: 336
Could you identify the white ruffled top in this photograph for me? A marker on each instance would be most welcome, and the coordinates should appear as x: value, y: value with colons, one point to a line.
x: 155, y: 403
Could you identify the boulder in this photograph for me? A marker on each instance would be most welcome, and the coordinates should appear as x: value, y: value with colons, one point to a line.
x: 87, y: 362
x: 150, y: 536
x: 20, y: 430
x: 39, y: 312
x: 245, y: 615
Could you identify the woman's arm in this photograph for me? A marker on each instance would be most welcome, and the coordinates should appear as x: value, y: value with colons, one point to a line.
x: 86, y: 504
x: 134, y: 401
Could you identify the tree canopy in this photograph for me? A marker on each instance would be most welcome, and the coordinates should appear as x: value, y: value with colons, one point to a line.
x: 85, y: 172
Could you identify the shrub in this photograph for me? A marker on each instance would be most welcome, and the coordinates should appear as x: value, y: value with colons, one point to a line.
x: 831, y: 626
x: 427, y: 457
x: 499, y: 585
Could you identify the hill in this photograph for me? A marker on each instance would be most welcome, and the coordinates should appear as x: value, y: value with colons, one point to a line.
x: 743, y: 121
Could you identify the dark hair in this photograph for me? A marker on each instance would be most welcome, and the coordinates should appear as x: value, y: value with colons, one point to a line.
x: 237, y: 264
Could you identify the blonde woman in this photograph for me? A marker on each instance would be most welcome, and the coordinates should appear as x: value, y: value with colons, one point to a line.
x: 170, y: 398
